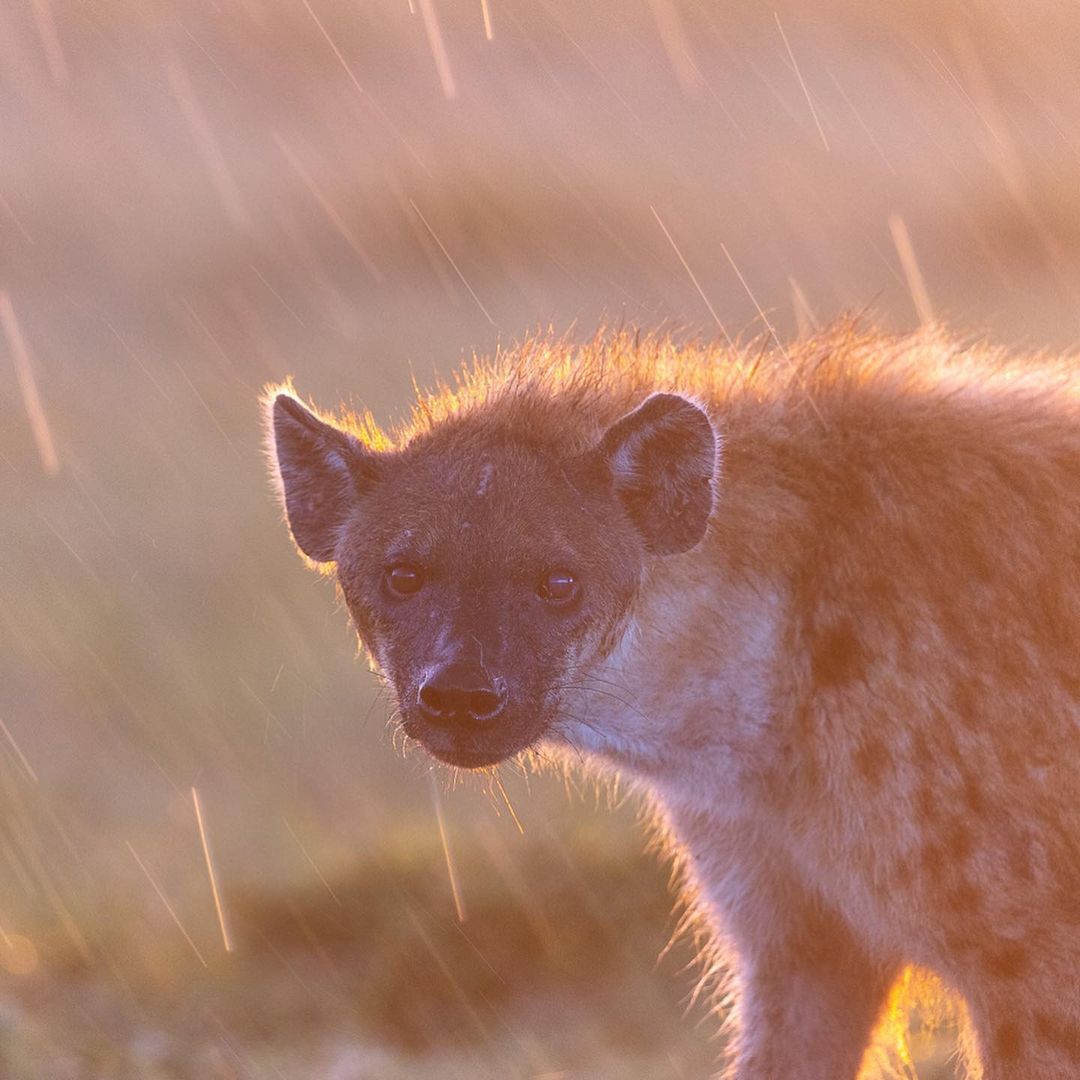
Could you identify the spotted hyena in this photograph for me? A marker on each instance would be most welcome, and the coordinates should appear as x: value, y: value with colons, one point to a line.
x: 822, y: 607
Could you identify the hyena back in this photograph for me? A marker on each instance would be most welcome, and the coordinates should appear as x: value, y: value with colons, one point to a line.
x: 822, y: 607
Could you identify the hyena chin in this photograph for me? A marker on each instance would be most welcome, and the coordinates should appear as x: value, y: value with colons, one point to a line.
x: 822, y: 608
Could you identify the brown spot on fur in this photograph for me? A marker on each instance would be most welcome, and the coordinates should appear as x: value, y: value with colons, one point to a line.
x: 1008, y: 961
x: 975, y: 562
x: 1071, y: 683
x: 937, y: 859
x: 933, y: 860
x: 965, y: 700
x: 959, y: 843
x: 926, y: 805
x: 1008, y: 1041
x: 1056, y: 619
x: 973, y: 795
x: 1061, y: 1034
x: 1012, y: 668
x: 872, y: 759
x: 964, y: 899
x: 836, y: 658
x: 1068, y: 899
x: 1038, y: 731
x: 1012, y: 761
x: 882, y: 588
x: 961, y: 942
x: 1020, y: 861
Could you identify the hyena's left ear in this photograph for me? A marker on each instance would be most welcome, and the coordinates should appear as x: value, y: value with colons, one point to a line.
x: 323, y: 470
x: 663, y: 461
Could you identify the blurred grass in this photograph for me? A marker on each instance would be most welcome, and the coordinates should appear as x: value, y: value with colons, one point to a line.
x: 548, y: 975
x: 196, y: 198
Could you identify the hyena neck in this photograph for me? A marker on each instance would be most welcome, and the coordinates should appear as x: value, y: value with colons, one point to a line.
x: 686, y: 703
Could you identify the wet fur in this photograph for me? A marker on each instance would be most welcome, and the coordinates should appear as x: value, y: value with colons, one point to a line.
x: 856, y: 704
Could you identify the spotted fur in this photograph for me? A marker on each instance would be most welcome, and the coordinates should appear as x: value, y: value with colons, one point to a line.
x: 855, y: 702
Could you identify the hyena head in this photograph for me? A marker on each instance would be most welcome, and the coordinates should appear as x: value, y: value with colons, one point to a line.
x: 484, y: 569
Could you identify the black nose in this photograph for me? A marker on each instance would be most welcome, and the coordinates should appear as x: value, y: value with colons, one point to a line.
x: 462, y: 692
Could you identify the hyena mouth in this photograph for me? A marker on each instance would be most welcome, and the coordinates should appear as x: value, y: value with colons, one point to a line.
x: 467, y: 749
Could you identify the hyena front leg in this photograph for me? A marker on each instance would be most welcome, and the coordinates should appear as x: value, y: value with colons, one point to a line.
x: 808, y: 993
x: 808, y: 1003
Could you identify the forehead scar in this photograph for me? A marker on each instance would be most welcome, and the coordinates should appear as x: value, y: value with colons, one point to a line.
x: 486, y: 474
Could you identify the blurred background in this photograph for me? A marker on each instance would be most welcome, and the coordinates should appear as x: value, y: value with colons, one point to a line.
x: 199, y: 196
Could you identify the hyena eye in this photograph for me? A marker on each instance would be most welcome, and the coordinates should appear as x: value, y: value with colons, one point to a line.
x: 558, y: 587
x: 402, y: 579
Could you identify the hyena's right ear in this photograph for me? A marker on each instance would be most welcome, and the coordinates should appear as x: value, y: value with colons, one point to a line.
x: 322, y: 471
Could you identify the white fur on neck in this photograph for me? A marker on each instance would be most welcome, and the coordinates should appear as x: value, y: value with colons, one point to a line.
x: 682, y: 700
